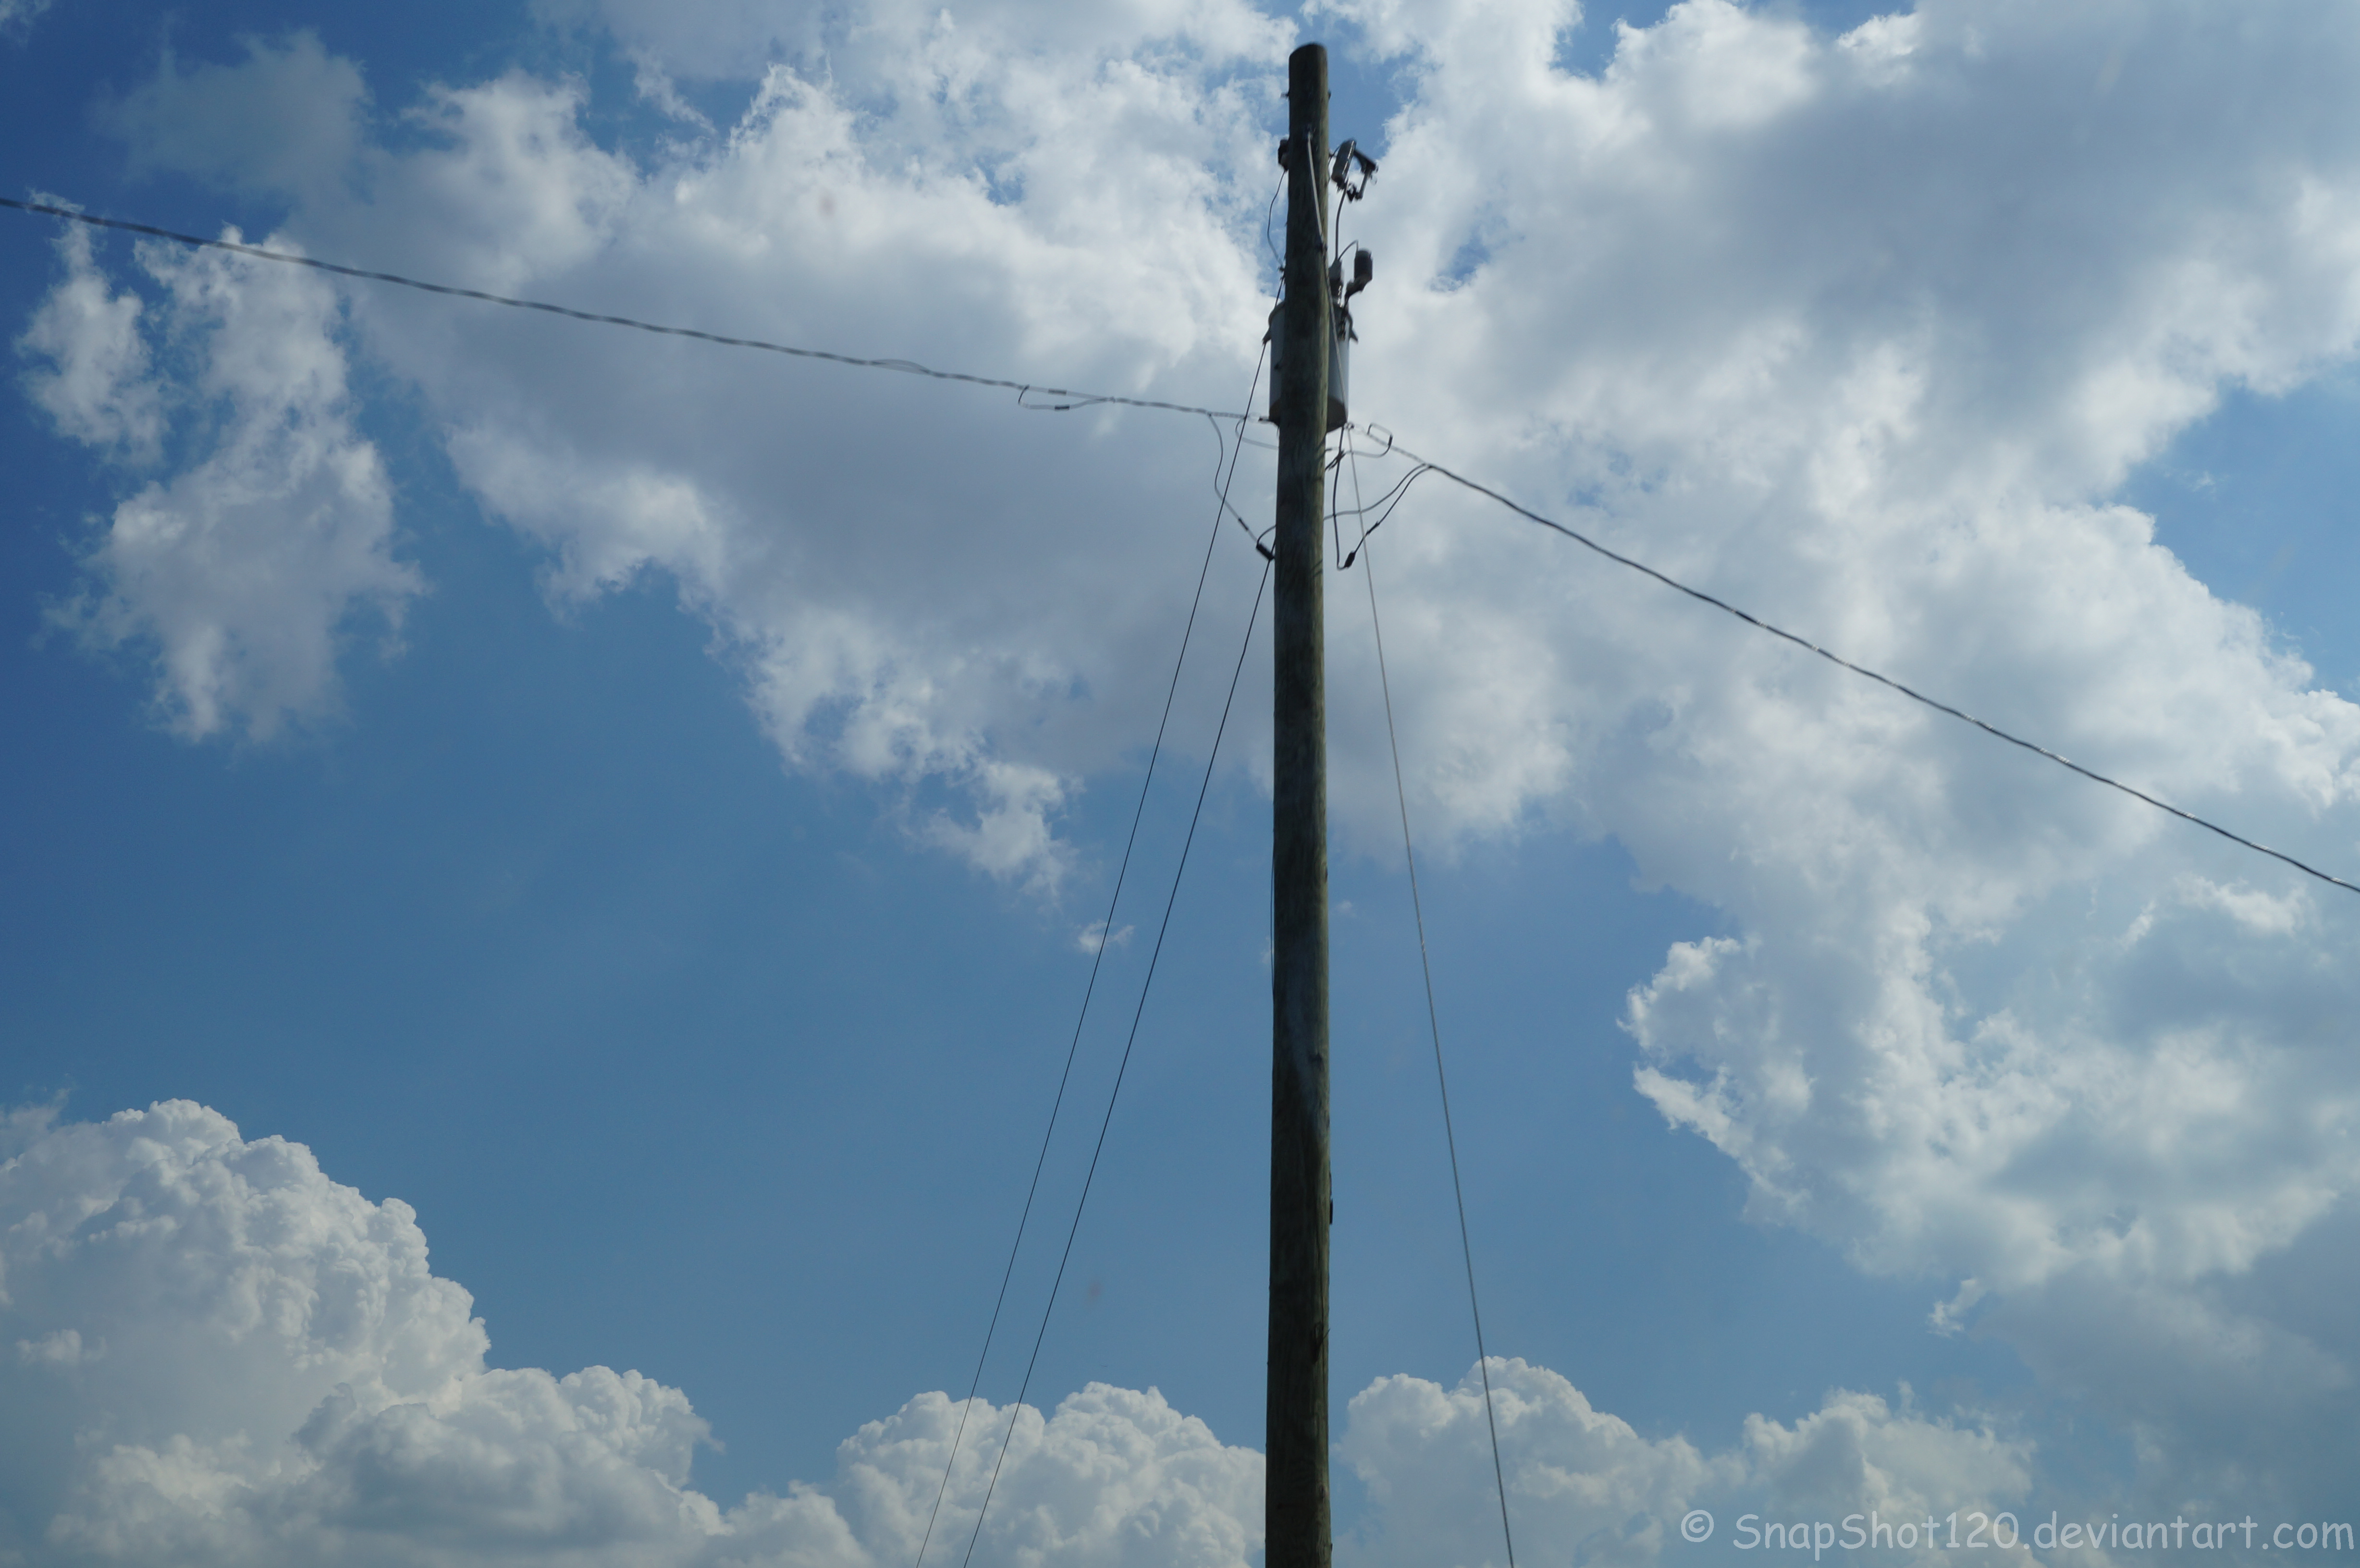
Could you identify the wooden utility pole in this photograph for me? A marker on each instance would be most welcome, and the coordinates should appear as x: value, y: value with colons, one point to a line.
x: 1295, y: 1517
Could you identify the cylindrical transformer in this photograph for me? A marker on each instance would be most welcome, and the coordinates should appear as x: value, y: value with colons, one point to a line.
x: 1339, y: 367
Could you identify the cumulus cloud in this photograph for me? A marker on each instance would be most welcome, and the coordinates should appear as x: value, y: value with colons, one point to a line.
x: 225, y: 1357
x: 96, y: 385
x: 285, y: 118
x: 241, y: 572
x: 17, y: 17
x: 966, y: 48
x: 1583, y: 1487
x: 1862, y: 331
x: 903, y: 633
x: 1581, y: 1483
x: 1846, y: 339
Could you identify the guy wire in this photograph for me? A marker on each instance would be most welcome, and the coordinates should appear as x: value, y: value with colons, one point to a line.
x: 1434, y: 1026
x: 1097, y: 959
x: 1124, y: 1067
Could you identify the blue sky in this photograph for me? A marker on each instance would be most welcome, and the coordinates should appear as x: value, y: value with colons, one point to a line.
x: 672, y: 880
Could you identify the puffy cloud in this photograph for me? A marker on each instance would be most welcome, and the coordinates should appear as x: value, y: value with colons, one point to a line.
x: 243, y: 571
x: 286, y: 118
x: 1858, y: 1454
x: 17, y: 17
x: 905, y: 52
x: 1583, y: 1487
x: 1859, y: 333
x: 1581, y: 1484
x: 225, y: 1357
x: 1114, y: 1477
x: 96, y: 383
x: 1062, y: 206
x: 901, y: 631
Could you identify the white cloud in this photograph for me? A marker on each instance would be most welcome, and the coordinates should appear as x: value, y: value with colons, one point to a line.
x: 1831, y: 327
x: 97, y: 385
x: 899, y: 631
x: 286, y: 1381
x: 1856, y: 1454
x: 1582, y: 1487
x: 17, y: 17
x: 60, y: 1348
x: 1581, y: 1484
x: 286, y: 118
x: 242, y: 572
x: 1862, y: 332
x: 909, y: 50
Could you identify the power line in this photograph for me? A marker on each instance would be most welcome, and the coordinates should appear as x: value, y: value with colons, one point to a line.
x: 1121, y: 1068
x: 1025, y: 389
x: 907, y: 366
x: 1097, y: 961
x: 1434, y: 1020
x: 1916, y: 696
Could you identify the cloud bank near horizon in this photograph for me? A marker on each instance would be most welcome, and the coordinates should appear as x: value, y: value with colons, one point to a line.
x: 210, y: 1352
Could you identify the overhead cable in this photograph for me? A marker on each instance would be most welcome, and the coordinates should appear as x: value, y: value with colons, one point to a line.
x: 1222, y: 488
x: 1075, y: 399
x: 1023, y: 390
x: 1916, y: 696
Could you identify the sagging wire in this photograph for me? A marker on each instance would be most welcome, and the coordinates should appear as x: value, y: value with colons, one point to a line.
x: 905, y: 366
x: 1277, y: 261
x: 1388, y: 502
x: 1336, y: 495
x: 1221, y: 490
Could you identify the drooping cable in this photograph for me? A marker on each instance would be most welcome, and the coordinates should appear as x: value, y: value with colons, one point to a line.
x: 1024, y: 390
x: 1860, y: 669
x: 1106, y: 931
x: 1277, y: 261
x: 1433, y: 1029
x: 1261, y: 358
x: 1084, y: 399
x: 1155, y: 955
x: 1391, y: 501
